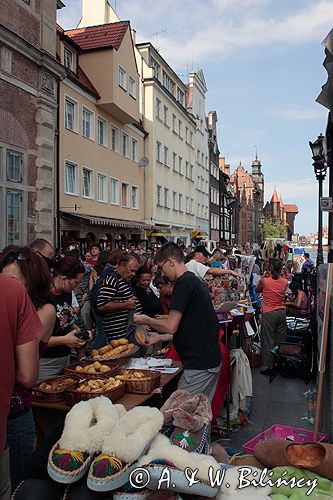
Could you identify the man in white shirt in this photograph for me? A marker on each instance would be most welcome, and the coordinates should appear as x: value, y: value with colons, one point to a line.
x: 198, y: 267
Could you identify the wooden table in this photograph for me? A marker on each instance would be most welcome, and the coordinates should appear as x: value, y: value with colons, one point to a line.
x: 49, y: 415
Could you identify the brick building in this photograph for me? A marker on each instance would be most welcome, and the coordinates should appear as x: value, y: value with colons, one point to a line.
x: 243, y: 185
x: 29, y: 73
x: 276, y: 210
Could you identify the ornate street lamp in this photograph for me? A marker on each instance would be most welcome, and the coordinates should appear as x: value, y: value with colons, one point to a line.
x: 320, y: 169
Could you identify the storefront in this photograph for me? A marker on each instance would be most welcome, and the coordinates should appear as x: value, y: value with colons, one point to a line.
x: 198, y: 235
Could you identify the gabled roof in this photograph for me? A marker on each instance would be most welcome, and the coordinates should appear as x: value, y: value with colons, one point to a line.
x: 291, y: 208
x: 275, y: 197
x: 99, y: 37
x: 83, y: 81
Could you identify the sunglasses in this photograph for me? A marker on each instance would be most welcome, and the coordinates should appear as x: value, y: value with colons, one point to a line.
x: 160, y: 266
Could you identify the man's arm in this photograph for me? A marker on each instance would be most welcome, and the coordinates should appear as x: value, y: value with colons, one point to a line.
x: 168, y: 325
x: 27, y: 363
x: 260, y: 286
x: 218, y: 271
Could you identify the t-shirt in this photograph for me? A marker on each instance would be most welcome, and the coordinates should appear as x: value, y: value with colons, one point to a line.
x: 150, y: 304
x: 116, y: 290
x: 197, y: 337
x: 20, y: 324
x: 197, y: 268
x: 65, y: 320
x: 274, y: 293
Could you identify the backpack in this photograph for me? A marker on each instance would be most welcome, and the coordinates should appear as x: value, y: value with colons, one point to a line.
x: 93, y: 296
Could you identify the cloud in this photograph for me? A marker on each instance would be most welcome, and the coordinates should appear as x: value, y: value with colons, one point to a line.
x: 292, y: 189
x: 298, y: 113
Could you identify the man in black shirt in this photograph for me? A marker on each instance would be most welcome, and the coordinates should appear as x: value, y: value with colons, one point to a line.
x: 192, y: 324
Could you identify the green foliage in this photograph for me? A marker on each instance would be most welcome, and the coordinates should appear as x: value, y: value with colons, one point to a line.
x: 272, y: 229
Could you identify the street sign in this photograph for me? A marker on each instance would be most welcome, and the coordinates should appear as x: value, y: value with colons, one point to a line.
x: 326, y: 204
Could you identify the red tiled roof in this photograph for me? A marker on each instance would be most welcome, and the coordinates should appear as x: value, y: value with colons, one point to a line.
x: 83, y: 81
x: 60, y: 29
x: 97, y: 37
x: 275, y: 197
x: 291, y: 208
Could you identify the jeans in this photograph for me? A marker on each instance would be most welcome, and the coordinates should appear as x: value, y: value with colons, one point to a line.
x: 21, y: 435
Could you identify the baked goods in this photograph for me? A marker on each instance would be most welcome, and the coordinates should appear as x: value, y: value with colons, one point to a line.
x: 95, y: 367
x: 117, y: 347
x: 57, y: 385
x: 98, y: 385
x: 131, y: 375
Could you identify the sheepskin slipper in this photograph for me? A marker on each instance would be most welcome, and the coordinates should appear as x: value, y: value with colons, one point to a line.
x: 122, y: 447
x: 167, y: 461
x: 85, y: 427
x: 316, y: 457
x: 191, y: 441
x: 176, y: 399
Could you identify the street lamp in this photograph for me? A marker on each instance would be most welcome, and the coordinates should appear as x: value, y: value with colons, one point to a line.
x: 320, y: 168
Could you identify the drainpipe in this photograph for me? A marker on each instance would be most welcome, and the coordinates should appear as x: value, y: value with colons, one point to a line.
x: 57, y: 171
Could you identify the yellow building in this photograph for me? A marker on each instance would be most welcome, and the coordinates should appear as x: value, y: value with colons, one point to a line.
x: 101, y: 141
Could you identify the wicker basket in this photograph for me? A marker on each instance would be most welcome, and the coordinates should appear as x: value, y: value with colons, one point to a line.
x: 51, y: 397
x: 142, y: 386
x: 125, y: 354
x: 72, y: 397
x: 70, y: 370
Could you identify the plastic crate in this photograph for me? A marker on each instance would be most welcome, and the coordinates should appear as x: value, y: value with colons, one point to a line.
x: 292, y: 434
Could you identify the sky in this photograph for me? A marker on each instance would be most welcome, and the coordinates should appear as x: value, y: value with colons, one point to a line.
x: 262, y: 61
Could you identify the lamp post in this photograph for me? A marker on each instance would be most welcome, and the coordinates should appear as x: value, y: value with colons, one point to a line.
x: 320, y: 168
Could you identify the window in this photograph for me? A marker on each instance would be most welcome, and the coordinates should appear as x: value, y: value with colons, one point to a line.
x: 158, y: 108
x: 180, y: 202
x: 180, y: 161
x: 166, y: 198
x: 124, y: 144
x: 102, y: 187
x: 14, y: 217
x: 158, y: 151
x: 102, y: 132
x: 27, y: 1
x: 168, y: 83
x: 187, y: 169
x: 174, y: 161
x: 191, y: 206
x: 191, y: 174
x: 135, y: 197
x: 87, y: 183
x: 114, y: 138
x: 71, y: 114
x: 122, y: 78
x: 187, y: 204
x: 134, y: 150
x: 68, y: 59
x: 158, y: 192
x: 191, y: 137
x: 132, y: 87
x: 165, y: 115
x: 14, y: 164
x: 180, y: 96
x: 156, y: 68
x: 125, y: 202
x: 88, y: 123
x: 114, y: 195
x: 166, y: 151
x: 174, y: 200
x: 70, y: 178
x: 174, y: 123
x: 186, y: 134
x: 180, y: 128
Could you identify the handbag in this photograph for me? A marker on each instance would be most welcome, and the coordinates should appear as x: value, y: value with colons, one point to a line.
x: 287, y: 349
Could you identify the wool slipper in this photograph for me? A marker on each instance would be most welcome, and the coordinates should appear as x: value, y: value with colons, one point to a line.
x: 316, y: 457
x: 122, y: 447
x: 176, y: 399
x: 85, y: 427
x: 163, y: 455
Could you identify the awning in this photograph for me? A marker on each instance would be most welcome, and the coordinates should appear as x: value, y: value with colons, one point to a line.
x: 199, y: 235
x: 105, y: 221
x: 160, y: 231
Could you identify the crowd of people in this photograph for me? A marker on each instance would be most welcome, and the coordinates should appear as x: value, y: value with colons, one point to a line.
x: 56, y: 307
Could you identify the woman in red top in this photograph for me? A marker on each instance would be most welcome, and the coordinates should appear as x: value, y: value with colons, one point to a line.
x: 273, y: 328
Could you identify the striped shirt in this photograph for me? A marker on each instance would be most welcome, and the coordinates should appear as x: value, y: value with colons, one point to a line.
x: 113, y: 290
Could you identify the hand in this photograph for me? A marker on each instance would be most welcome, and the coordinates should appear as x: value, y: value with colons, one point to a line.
x: 84, y: 297
x: 140, y: 319
x: 236, y: 275
x: 70, y: 340
x: 131, y: 303
x: 153, y: 338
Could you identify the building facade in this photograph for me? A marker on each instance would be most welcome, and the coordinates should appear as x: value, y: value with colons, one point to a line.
x: 197, y: 90
x: 170, y: 176
x: 258, y: 199
x: 276, y: 210
x: 214, y: 178
x: 101, y: 180
x: 29, y: 73
x: 228, y: 204
x: 243, y: 186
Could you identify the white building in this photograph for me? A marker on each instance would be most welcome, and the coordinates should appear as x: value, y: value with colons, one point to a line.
x: 196, y: 105
x: 170, y: 194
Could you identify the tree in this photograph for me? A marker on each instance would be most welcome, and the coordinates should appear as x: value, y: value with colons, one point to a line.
x: 272, y: 229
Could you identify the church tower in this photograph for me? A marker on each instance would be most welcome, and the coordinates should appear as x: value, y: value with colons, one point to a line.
x: 258, y: 197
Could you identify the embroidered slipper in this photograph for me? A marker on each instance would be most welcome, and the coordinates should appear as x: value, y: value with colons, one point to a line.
x: 162, y: 455
x: 121, y: 449
x: 85, y: 427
